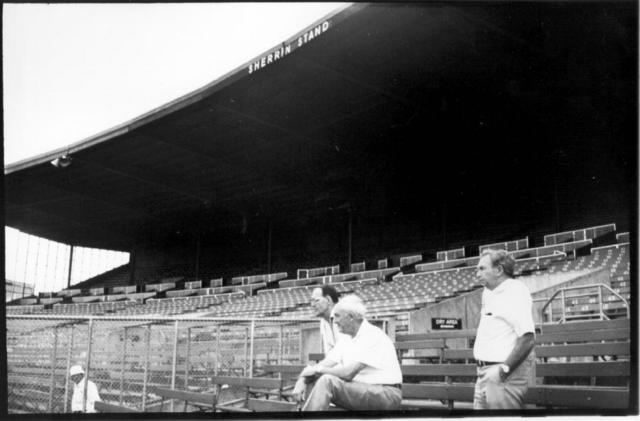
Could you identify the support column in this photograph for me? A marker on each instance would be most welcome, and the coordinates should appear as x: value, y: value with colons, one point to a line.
x: 252, y: 338
x: 132, y: 265
x: 443, y: 221
x: 198, y: 251
x: 269, y: 247
x: 350, y: 240
x: 70, y: 267
x: 246, y: 352
x: 218, y: 351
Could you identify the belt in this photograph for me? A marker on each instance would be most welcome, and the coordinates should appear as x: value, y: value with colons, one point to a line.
x: 486, y: 363
x: 397, y: 385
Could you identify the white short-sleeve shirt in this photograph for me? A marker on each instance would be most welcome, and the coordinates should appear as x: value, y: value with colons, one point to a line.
x: 373, y: 348
x: 330, y: 335
x: 506, y: 314
x: 77, y: 397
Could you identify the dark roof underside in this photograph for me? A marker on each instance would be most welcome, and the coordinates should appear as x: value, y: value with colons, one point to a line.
x: 394, y: 108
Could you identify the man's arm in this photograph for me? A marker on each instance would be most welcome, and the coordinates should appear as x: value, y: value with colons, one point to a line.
x: 344, y: 371
x: 307, y: 376
x: 524, y: 345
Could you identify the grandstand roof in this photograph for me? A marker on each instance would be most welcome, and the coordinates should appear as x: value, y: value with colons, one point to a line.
x: 374, y: 104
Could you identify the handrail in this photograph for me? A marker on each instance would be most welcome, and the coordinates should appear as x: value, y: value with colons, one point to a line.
x: 600, y: 303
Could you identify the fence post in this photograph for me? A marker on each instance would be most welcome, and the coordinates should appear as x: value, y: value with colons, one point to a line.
x: 280, y: 344
x: 300, y: 350
x: 218, y: 352
x: 564, y: 306
x: 600, y: 303
x: 175, y: 361
x: 246, y: 349
x: 124, y: 356
x: 87, y: 366
x: 253, y: 328
x: 66, y: 376
x: 146, y: 368
x: 186, y: 362
x: 54, y: 363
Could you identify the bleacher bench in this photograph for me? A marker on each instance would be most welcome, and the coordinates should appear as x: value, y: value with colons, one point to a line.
x: 111, y: 408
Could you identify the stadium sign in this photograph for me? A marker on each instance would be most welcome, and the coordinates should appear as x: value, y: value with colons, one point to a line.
x: 285, y: 49
x: 439, y: 323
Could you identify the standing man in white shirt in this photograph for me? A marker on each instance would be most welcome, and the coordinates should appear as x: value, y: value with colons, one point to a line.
x: 505, y: 337
x: 76, y: 373
x: 359, y: 373
x: 323, y: 299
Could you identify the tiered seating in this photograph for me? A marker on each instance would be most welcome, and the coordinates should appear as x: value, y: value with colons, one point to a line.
x: 507, y: 245
x: 622, y: 237
x: 25, y: 309
x: 315, y: 272
x: 433, y: 282
x: 95, y: 308
x: 256, y: 279
x: 580, y: 234
x: 283, y: 302
x: 380, y: 274
x: 450, y: 254
x: 180, y: 305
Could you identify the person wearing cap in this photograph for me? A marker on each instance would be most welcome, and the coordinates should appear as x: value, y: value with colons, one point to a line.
x: 76, y: 373
x: 361, y: 372
x: 505, y: 338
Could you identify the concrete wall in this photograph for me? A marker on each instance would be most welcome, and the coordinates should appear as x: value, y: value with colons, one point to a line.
x: 311, y: 342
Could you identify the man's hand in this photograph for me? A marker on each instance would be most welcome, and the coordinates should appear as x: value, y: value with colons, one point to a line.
x: 309, y: 371
x: 298, y: 390
x: 494, y: 373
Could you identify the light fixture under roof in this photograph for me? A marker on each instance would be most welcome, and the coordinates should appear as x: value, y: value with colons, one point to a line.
x: 62, y: 162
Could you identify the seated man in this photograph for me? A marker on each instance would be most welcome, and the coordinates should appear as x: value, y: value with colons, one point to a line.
x: 360, y: 372
x: 76, y: 374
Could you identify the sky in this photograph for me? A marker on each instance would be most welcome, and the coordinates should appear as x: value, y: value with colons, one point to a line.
x: 71, y: 71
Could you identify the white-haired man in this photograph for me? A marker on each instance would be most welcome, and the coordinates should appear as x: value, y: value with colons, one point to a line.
x: 76, y: 373
x: 361, y: 372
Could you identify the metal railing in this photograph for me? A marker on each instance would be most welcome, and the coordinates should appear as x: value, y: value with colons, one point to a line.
x: 129, y: 357
x: 563, y: 295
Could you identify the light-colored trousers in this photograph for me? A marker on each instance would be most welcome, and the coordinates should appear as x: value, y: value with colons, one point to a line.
x: 351, y: 395
x: 492, y: 393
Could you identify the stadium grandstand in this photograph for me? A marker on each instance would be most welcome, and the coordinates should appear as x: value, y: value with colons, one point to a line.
x: 379, y: 150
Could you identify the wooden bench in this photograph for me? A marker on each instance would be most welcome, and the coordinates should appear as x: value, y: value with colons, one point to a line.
x: 597, y: 339
x: 108, y: 407
x: 420, y: 396
x: 255, y: 386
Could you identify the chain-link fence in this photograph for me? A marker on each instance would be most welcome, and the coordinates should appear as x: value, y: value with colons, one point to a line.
x: 128, y: 358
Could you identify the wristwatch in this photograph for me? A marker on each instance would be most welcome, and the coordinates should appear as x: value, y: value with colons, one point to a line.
x: 505, y: 369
